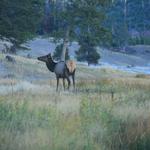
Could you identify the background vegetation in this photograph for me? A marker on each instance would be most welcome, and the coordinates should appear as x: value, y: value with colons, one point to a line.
x: 20, y: 19
x: 58, y: 51
x: 114, y: 23
x: 129, y: 23
x: 108, y: 110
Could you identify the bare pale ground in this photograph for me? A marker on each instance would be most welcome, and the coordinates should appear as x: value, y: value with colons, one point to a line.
x: 109, y: 109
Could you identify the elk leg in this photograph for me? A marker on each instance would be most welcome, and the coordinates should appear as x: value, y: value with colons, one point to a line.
x: 68, y: 82
x: 64, y: 83
x: 73, y: 79
x: 57, y: 84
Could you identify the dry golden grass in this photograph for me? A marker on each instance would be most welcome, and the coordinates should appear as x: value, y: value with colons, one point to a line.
x: 143, y: 76
x: 109, y: 110
x: 7, y: 81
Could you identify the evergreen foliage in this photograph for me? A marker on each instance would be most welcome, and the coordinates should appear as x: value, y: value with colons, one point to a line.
x: 87, y: 51
x: 76, y: 19
x: 20, y: 19
x: 129, y: 22
x: 126, y: 22
x: 58, y: 51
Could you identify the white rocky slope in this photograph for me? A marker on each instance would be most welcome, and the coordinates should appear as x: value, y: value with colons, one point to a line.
x: 5, y: 45
x: 137, y: 62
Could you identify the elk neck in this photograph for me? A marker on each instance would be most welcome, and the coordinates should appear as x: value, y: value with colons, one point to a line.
x: 51, y: 65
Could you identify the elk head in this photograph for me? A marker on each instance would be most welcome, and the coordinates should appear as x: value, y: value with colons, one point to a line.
x: 46, y: 58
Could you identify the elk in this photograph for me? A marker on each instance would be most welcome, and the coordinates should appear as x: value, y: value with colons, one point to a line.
x: 61, y: 69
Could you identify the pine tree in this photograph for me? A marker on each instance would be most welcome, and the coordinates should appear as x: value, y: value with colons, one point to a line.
x: 58, y: 51
x: 77, y: 17
x: 20, y: 19
x: 87, y: 51
x: 125, y: 17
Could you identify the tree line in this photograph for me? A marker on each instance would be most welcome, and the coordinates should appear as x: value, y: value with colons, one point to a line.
x: 114, y: 23
x: 79, y: 20
x: 109, y: 23
x: 20, y: 19
x: 129, y: 22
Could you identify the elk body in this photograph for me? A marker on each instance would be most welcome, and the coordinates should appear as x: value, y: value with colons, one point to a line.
x: 61, y: 69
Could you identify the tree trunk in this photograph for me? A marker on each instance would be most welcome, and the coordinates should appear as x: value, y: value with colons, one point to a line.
x: 125, y: 24
x: 65, y: 45
x: 144, y: 26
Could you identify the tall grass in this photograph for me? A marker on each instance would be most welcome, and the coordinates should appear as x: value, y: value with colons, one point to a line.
x: 110, y: 110
x: 42, y: 121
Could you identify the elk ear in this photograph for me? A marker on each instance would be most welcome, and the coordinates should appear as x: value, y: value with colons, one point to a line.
x: 49, y: 55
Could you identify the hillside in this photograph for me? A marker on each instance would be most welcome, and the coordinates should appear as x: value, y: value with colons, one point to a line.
x: 108, y: 106
x: 108, y: 109
x: 30, y: 71
x: 136, y: 61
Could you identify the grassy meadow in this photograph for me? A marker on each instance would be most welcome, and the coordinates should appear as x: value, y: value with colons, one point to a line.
x: 110, y: 110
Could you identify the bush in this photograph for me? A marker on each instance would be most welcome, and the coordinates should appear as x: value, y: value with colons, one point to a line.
x: 58, y: 52
x: 89, y: 54
x: 20, y: 19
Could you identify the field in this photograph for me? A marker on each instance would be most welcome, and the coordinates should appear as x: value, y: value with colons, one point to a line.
x: 109, y: 110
